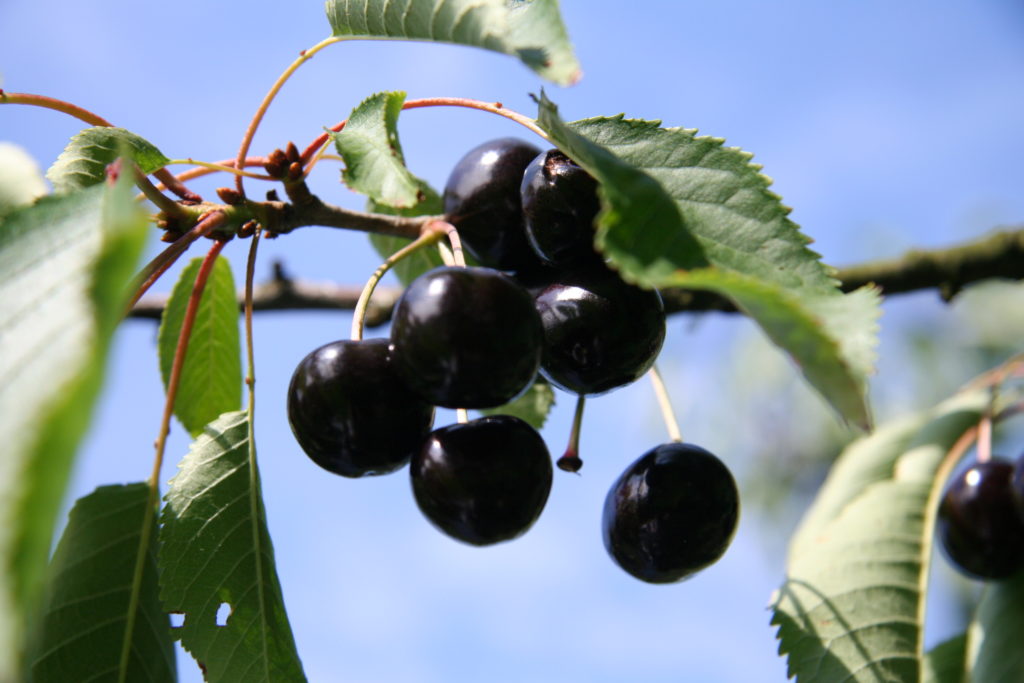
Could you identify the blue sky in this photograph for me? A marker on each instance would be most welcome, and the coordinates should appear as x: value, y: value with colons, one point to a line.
x: 883, y: 125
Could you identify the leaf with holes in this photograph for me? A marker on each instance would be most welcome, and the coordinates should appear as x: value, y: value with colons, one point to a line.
x: 532, y: 407
x: 531, y: 30
x: 374, y: 164
x: 86, y: 157
x: 82, y: 632
x: 852, y: 605
x: 65, y: 263
x: 215, y: 549
x: 211, y: 377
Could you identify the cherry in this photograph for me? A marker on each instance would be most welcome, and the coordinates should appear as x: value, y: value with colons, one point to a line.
x: 978, y: 524
x: 672, y: 513
x: 559, y: 206
x: 599, y: 332
x: 481, y: 199
x: 466, y: 337
x: 1018, y: 485
x: 483, y: 481
x: 350, y: 411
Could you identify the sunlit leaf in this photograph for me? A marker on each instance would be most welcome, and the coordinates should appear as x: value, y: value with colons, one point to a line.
x: 217, y: 562
x: 82, y: 632
x: 86, y: 157
x: 64, y: 266
x: 211, y: 378
x: 21, y: 183
x: 532, y: 407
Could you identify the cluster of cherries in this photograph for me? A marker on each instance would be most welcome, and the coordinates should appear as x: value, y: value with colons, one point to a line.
x: 542, y: 303
x: 981, y: 519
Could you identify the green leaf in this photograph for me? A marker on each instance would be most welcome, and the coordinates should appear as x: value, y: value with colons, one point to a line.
x: 852, y: 606
x: 86, y: 157
x: 211, y: 378
x: 411, y: 267
x: 824, y: 347
x: 532, y: 407
x: 21, y: 183
x: 82, y: 630
x: 675, y: 203
x: 531, y: 30
x: 369, y: 144
x: 994, y: 648
x: 216, y: 550
x: 944, y: 663
x: 64, y: 266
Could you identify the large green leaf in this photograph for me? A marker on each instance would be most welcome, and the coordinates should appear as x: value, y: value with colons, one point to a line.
x: 20, y: 180
x: 215, y: 554
x: 994, y: 651
x: 211, y: 378
x: 944, y: 663
x: 852, y: 606
x: 86, y: 157
x: 675, y: 203
x: 82, y: 630
x: 374, y: 164
x: 64, y: 265
x: 531, y: 30
x: 414, y: 265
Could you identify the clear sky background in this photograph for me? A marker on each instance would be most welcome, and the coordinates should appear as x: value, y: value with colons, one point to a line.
x: 883, y: 124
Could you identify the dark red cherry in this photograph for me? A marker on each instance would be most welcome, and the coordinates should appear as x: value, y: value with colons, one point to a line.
x: 672, y: 513
x: 466, y: 337
x: 481, y: 199
x: 978, y: 524
x: 350, y: 411
x: 484, y: 481
x: 599, y: 332
x: 559, y: 206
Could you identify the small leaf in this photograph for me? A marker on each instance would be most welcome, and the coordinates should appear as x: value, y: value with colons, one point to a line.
x: 532, y: 407
x: 411, y: 267
x: 21, y: 183
x: 994, y: 648
x: 852, y: 606
x: 65, y: 263
x: 211, y: 378
x: 82, y: 629
x: 531, y: 30
x: 944, y: 663
x: 374, y: 164
x: 215, y: 550
x: 84, y: 161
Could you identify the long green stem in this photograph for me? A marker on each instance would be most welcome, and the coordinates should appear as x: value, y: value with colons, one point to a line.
x: 161, y: 443
x: 430, y: 235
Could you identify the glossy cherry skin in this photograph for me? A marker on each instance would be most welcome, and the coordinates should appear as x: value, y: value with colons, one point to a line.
x: 559, y: 206
x: 466, y: 337
x: 672, y: 513
x: 484, y: 481
x: 1017, y: 486
x: 599, y: 332
x: 481, y: 199
x: 351, y: 412
x: 978, y: 524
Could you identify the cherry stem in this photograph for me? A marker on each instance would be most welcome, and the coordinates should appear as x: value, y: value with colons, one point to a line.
x: 250, y: 356
x: 461, y: 416
x: 665, y: 403
x: 984, y: 453
x: 432, y: 233
x: 570, y: 460
x: 152, y: 271
x: 160, y: 200
x: 222, y: 167
x: 174, y: 185
x: 56, y: 105
x: 194, y: 173
x: 257, y: 118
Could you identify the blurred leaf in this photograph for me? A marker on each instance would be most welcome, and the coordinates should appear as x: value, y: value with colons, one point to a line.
x: 82, y: 630
x: 531, y: 30
x: 369, y: 144
x: 64, y: 265
x: 408, y: 269
x: 852, y: 606
x: 21, y: 183
x: 944, y: 663
x: 532, y: 407
x: 215, y: 550
x: 86, y: 157
x: 994, y: 649
x: 211, y: 378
